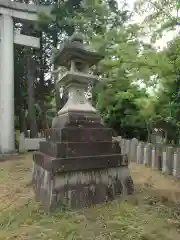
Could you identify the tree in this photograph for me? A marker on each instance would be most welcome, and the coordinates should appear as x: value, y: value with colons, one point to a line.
x: 170, y: 87
x: 122, y: 103
x: 115, y: 97
x: 163, y: 15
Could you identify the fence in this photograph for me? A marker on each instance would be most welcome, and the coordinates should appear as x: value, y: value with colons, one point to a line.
x: 157, y: 156
x: 29, y: 144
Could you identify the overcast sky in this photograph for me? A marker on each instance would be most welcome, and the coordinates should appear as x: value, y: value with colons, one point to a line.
x: 161, y: 42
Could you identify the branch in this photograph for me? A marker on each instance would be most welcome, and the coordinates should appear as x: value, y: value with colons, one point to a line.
x: 160, y: 8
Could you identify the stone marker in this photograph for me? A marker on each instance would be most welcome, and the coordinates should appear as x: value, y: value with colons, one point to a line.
x: 119, y: 138
x: 170, y: 159
x: 127, y: 147
x: 164, y: 162
x: 148, y: 155
x: 79, y: 165
x: 157, y: 156
x: 22, y: 147
x: 153, y: 158
x: 140, y: 153
x: 123, y: 141
x: 133, y: 154
x: 176, y: 166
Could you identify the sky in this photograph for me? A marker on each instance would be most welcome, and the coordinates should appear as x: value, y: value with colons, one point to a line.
x: 161, y: 42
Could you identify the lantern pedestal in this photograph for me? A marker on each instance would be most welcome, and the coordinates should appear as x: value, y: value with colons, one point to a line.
x: 79, y: 165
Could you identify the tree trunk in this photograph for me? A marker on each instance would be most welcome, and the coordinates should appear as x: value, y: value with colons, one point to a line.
x: 31, y: 99
x: 166, y: 137
x: 149, y: 128
x: 22, y: 122
x: 42, y: 83
x: 57, y: 93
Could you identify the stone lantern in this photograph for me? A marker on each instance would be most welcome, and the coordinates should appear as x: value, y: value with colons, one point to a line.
x: 78, y: 165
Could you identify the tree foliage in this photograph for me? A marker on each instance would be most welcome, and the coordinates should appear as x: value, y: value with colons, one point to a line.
x: 159, y: 16
x: 138, y: 88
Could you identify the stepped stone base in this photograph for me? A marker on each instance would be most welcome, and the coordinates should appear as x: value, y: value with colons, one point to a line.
x: 82, y: 188
x: 78, y: 165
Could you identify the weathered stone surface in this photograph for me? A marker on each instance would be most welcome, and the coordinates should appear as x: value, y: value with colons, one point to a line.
x: 79, y: 134
x: 75, y: 163
x: 140, y: 152
x: 133, y: 155
x: 157, y: 157
x: 22, y: 145
x: 127, y: 147
x: 98, y: 161
x: 165, y: 163
x: 170, y: 159
x: 80, y: 189
x: 77, y: 119
x: 123, y: 141
x: 148, y: 155
x: 78, y: 149
x: 176, y: 165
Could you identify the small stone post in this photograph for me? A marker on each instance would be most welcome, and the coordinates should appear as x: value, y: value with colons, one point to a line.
x: 176, y: 166
x: 123, y: 141
x: 133, y: 150
x: 140, y: 153
x: 148, y: 155
x: 170, y: 159
x: 127, y: 147
x: 22, y: 147
x: 164, y: 162
x: 153, y: 158
x: 157, y: 157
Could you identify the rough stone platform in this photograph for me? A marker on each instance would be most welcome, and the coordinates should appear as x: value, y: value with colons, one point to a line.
x: 79, y: 165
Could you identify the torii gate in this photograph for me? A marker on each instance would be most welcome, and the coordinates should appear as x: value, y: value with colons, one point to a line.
x: 8, y: 11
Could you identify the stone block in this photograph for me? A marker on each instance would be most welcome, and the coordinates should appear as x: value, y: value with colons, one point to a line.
x: 22, y: 146
x: 176, y: 165
x: 122, y: 144
x: 165, y: 163
x: 153, y: 158
x: 78, y: 163
x: 74, y: 149
x: 157, y: 158
x: 148, y: 155
x: 170, y: 159
x: 140, y: 153
x: 133, y: 150
x: 33, y: 143
x: 80, y: 173
x: 80, y: 189
x: 78, y: 134
x: 127, y: 147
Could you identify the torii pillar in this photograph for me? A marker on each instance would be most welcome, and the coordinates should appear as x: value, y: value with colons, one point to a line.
x: 6, y: 85
x: 8, y: 11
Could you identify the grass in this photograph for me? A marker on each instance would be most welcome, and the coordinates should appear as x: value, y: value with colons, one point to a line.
x: 151, y: 213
